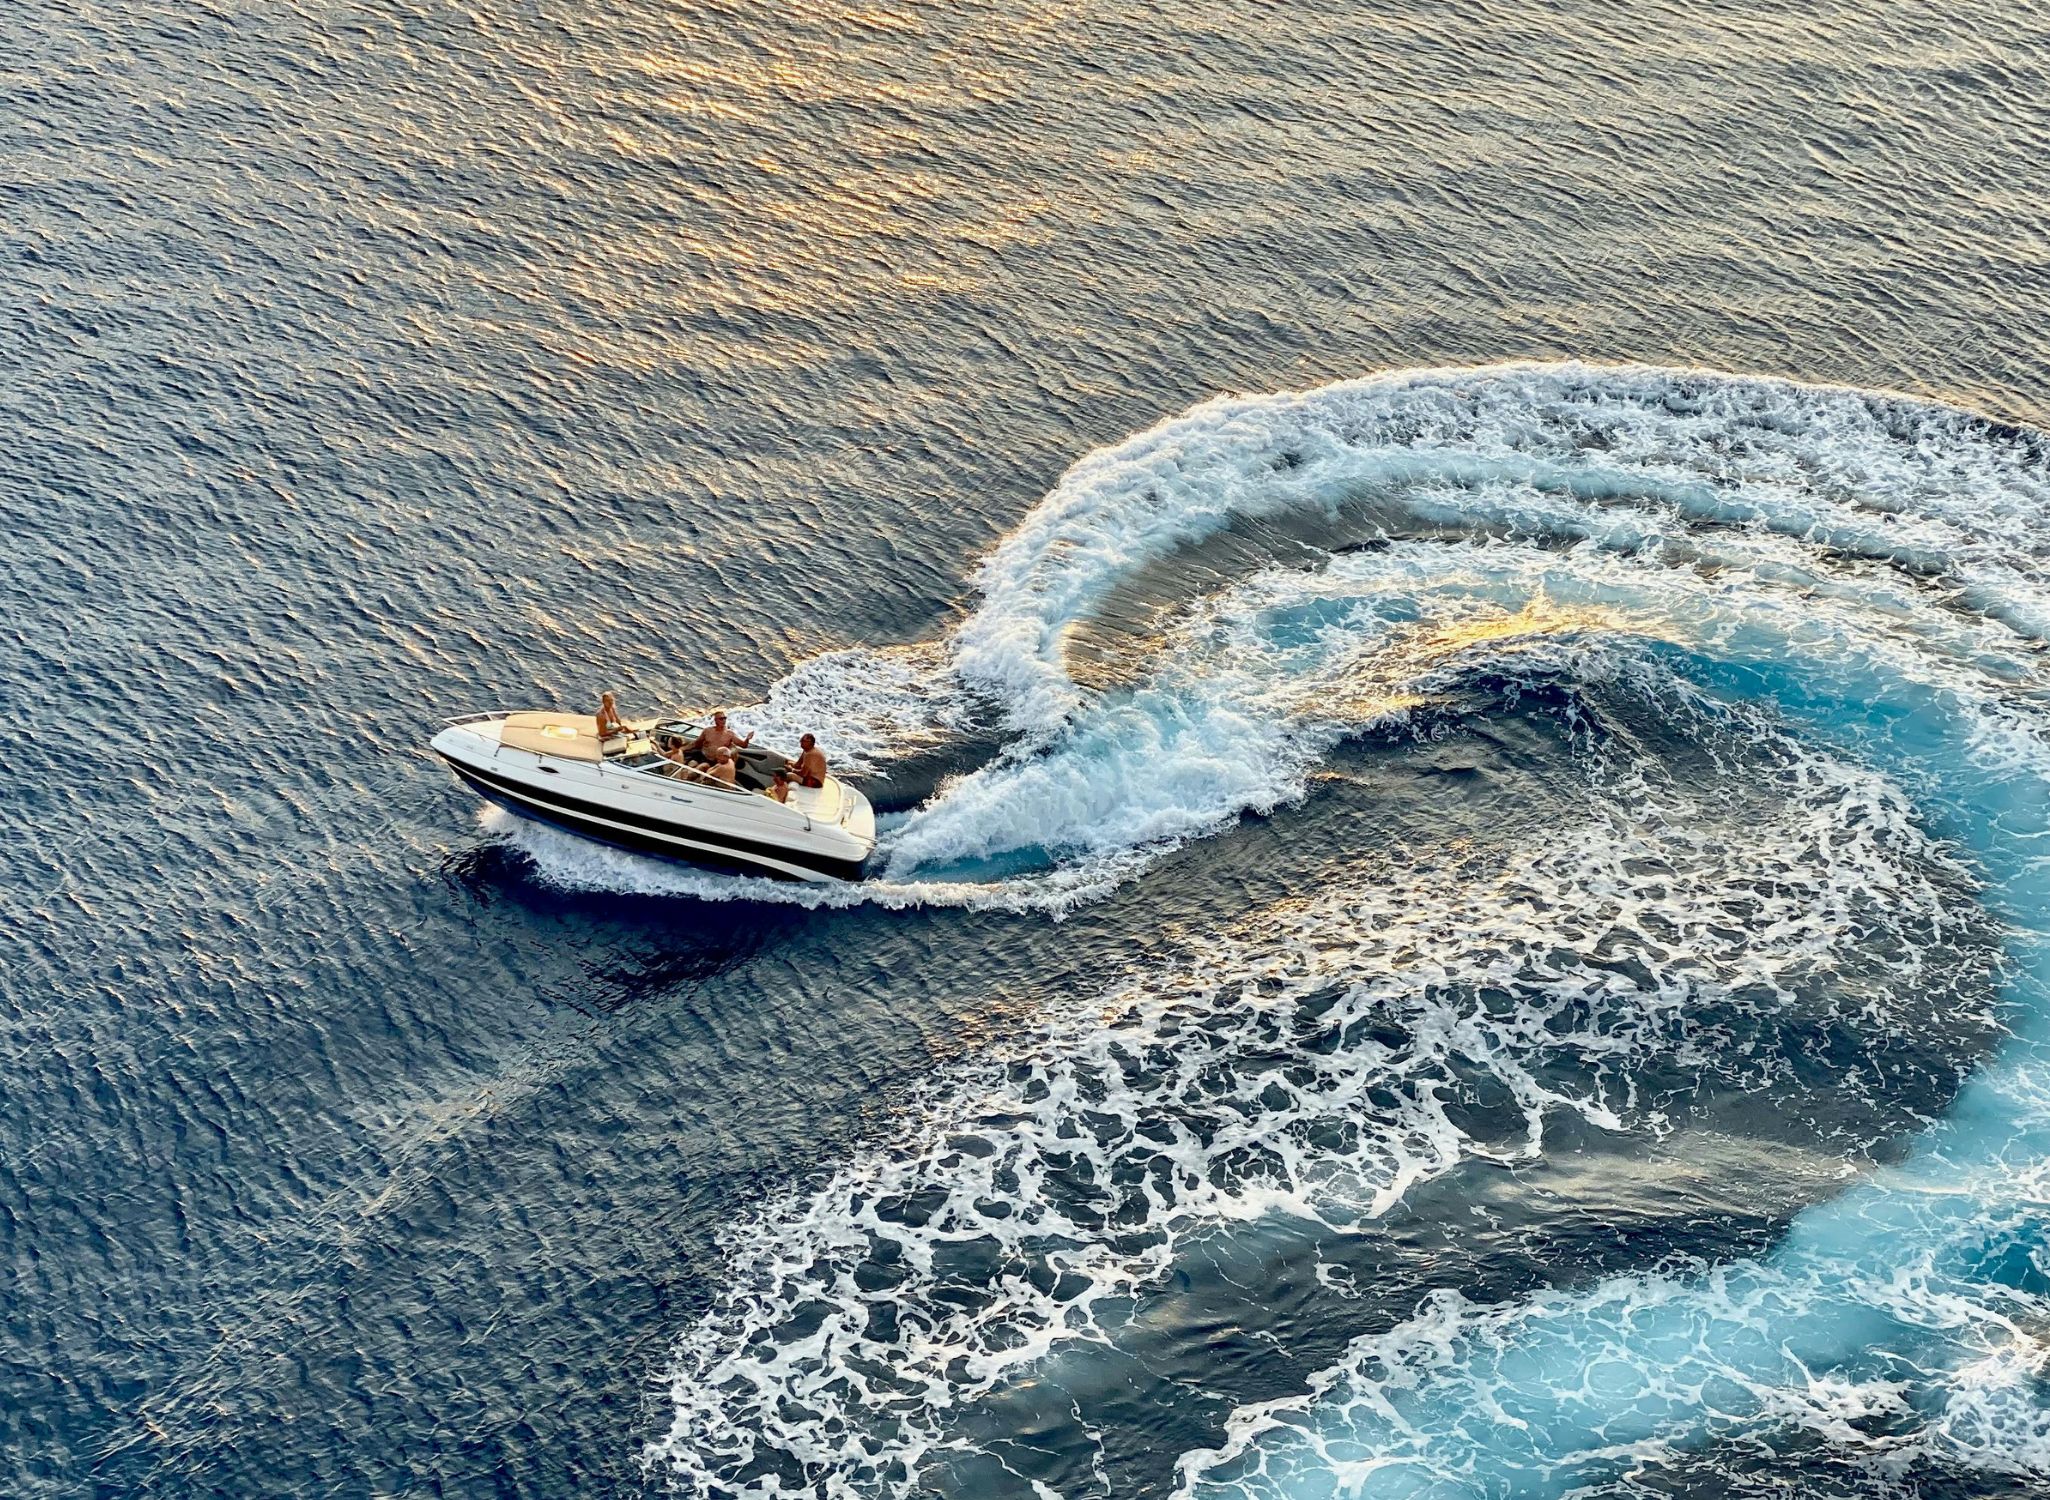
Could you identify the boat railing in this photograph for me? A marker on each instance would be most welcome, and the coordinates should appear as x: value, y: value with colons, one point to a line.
x: 676, y: 770
x: 706, y: 778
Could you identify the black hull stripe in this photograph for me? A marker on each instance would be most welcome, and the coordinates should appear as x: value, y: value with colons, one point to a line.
x: 598, y: 821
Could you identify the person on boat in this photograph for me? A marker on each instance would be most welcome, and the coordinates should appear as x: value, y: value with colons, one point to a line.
x: 723, y: 768
x: 716, y: 737
x: 811, y: 762
x: 609, y: 721
x: 779, y: 788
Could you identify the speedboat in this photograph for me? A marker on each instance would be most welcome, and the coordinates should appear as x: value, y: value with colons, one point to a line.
x: 625, y: 790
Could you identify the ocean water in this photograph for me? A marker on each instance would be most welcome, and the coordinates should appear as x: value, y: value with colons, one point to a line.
x: 1445, y: 609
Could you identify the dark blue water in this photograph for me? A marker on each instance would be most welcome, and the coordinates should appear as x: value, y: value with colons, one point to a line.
x: 1467, y: 934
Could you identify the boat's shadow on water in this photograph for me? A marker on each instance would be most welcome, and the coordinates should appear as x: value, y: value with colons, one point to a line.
x: 651, y: 944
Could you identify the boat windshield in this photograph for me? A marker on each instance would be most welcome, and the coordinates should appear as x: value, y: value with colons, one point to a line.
x: 753, y: 765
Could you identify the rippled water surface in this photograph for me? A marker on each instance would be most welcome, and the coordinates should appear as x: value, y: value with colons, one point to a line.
x: 1445, y: 607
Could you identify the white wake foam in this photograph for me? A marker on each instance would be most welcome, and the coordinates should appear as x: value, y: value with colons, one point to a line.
x: 1251, y: 692
x: 1876, y: 566
x: 1316, y: 1070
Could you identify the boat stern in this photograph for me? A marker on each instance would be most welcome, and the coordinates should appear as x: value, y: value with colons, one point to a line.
x: 858, y: 818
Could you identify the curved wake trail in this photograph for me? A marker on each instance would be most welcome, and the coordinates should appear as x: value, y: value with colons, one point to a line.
x: 1837, y: 600
x: 1095, y: 787
x: 1903, y: 1323
x: 1319, y: 1072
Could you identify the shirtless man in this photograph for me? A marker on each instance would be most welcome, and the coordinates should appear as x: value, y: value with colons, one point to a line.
x: 718, y: 737
x: 811, y: 762
x: 780, y: 787
x: 723, y: 768
x: 609, y: 721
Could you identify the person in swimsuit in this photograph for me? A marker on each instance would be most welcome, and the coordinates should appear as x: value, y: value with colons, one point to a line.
x: 609, y: 721
x: 811, y: 762
x: 723, y: 768
x: 780, y: 787
x: 716, y: 737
